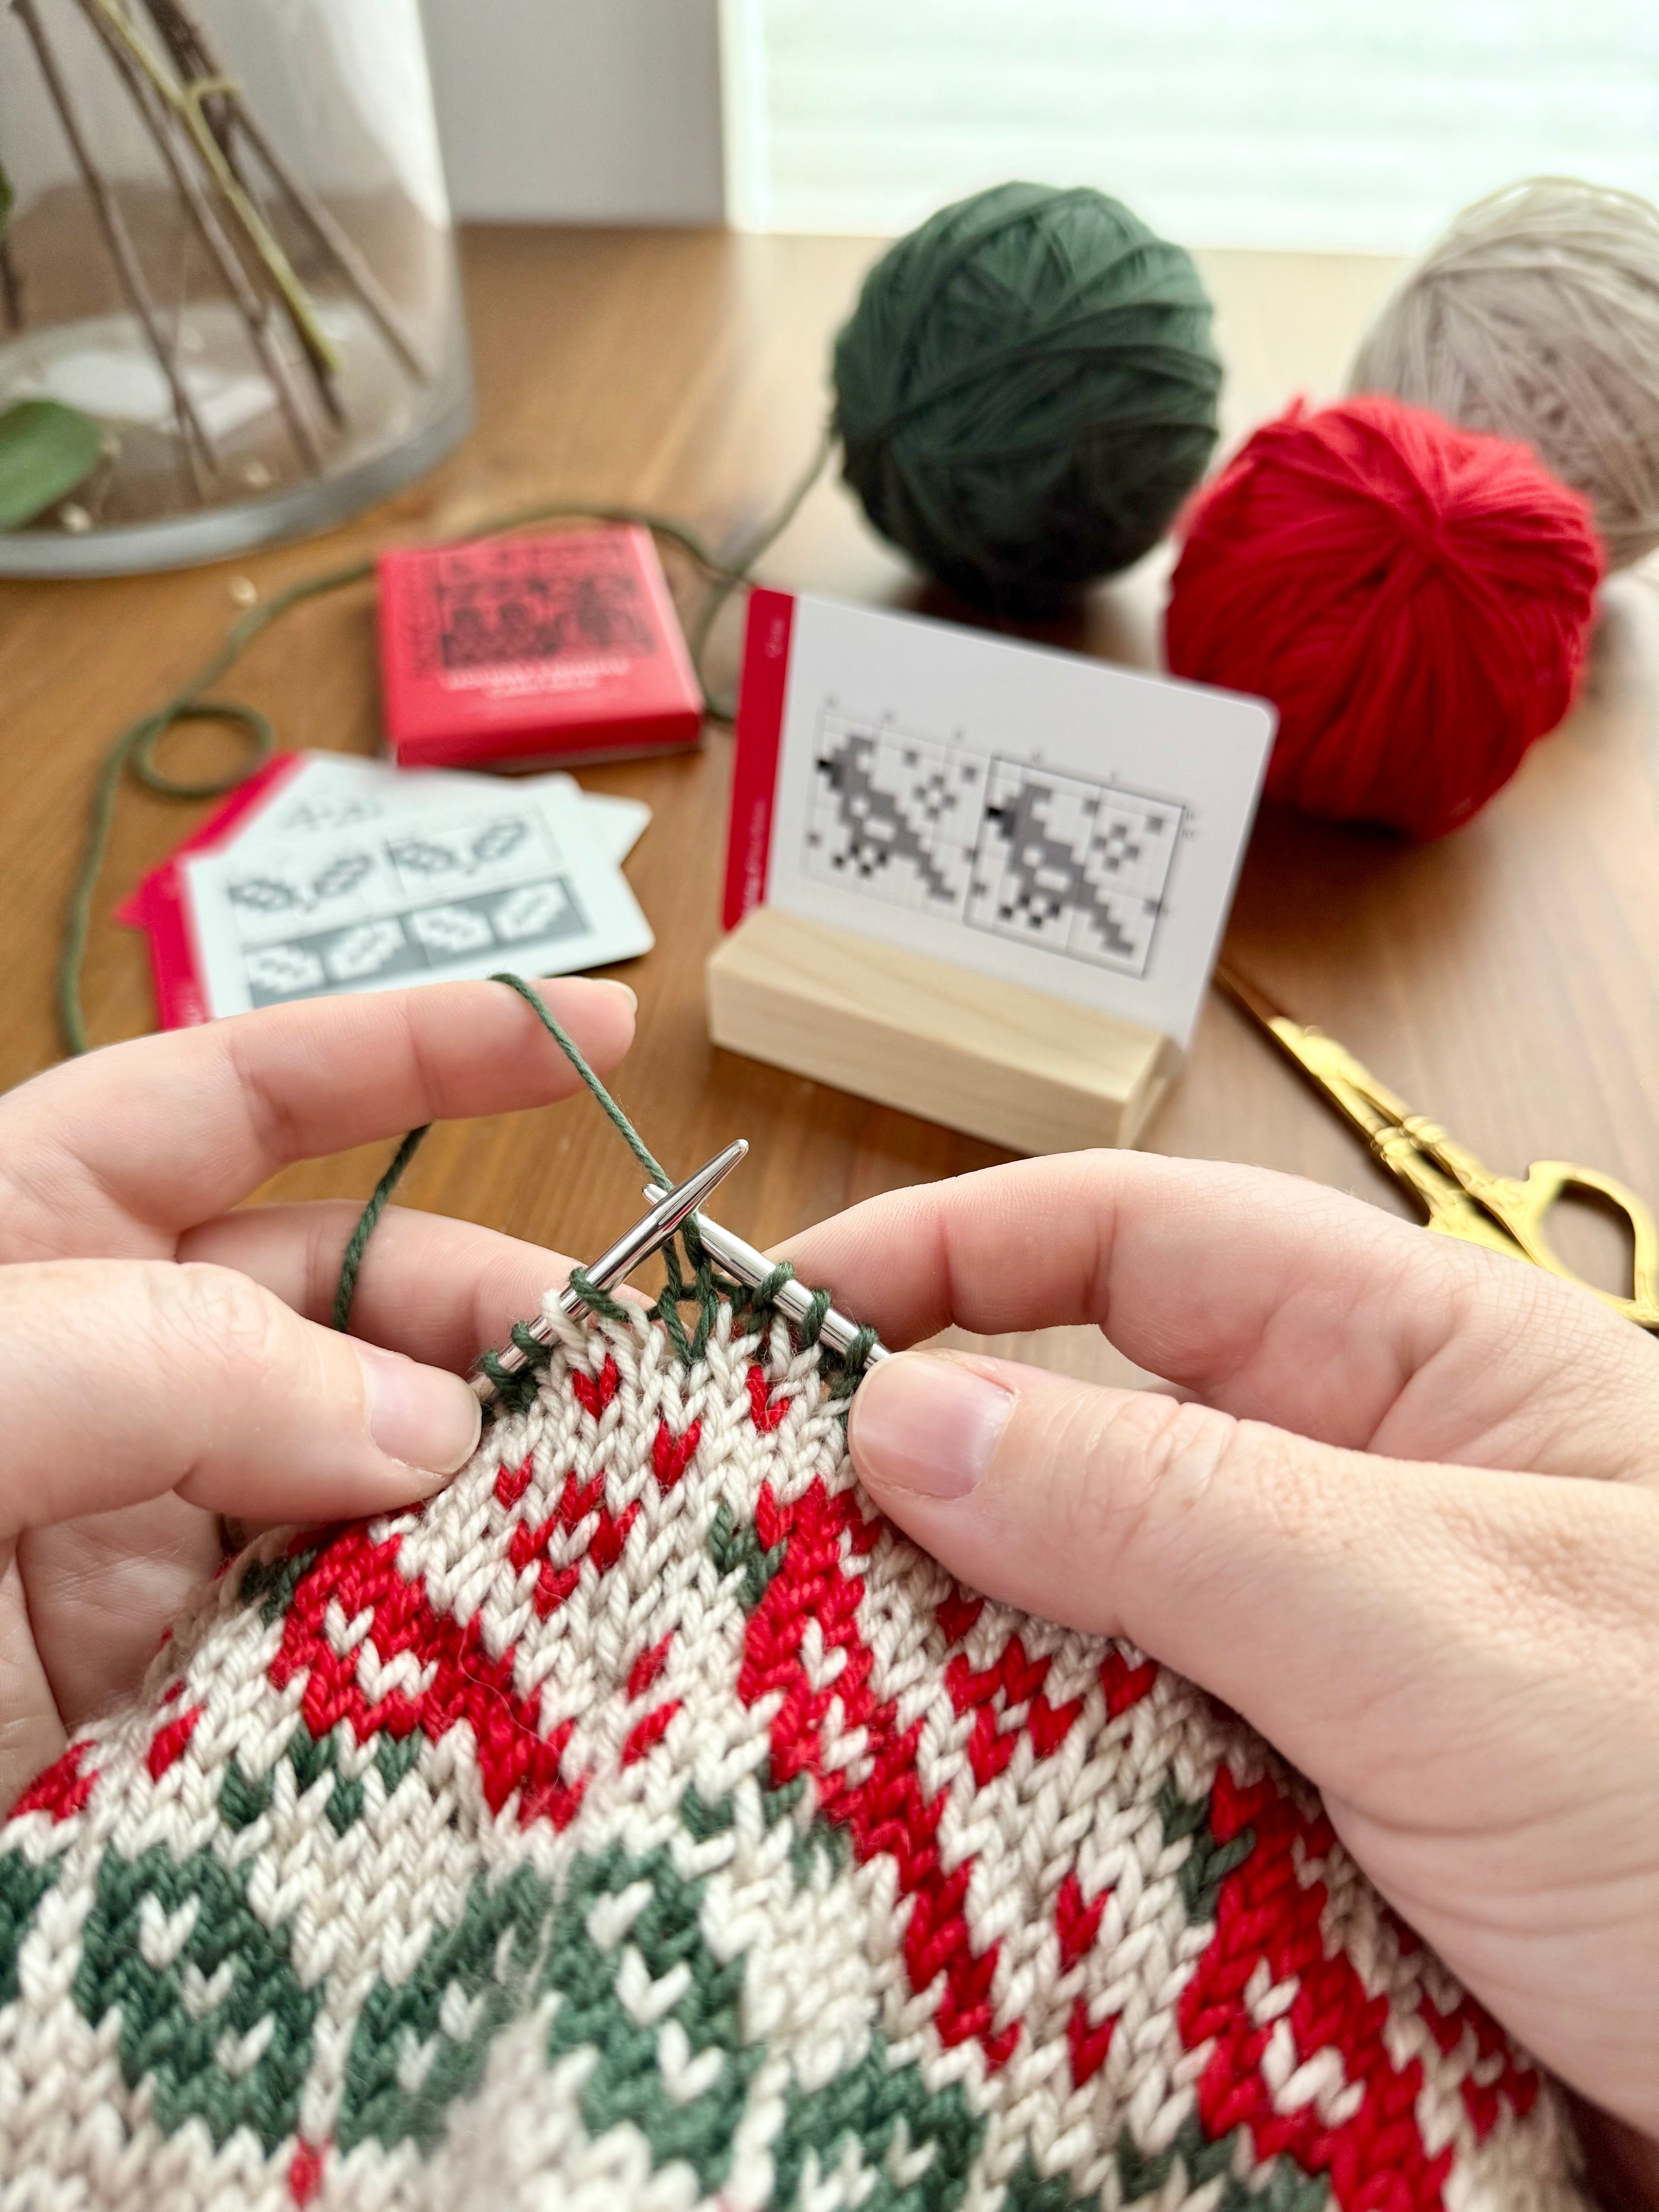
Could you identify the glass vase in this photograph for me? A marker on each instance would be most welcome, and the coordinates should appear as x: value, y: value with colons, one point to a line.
x: 229, y: 310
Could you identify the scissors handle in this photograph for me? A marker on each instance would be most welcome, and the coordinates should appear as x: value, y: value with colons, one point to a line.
x: 1459, y: 1193
x: 1521, y: 1205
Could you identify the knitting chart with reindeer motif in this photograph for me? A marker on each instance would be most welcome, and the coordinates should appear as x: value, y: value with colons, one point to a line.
x: 1064, y: 862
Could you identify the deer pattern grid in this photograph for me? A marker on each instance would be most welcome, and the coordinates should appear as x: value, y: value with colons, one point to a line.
x: 1060, y: 861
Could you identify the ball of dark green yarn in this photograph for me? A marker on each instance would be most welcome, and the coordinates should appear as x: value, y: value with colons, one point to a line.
x: 1026, y: 392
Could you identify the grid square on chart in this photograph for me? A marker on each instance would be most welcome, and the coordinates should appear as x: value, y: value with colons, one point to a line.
x: 894, y: 817
x: 1071, y: 865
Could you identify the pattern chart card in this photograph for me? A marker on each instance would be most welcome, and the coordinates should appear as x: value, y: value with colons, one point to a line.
x: 1031, y: 815
x: 353, y: 877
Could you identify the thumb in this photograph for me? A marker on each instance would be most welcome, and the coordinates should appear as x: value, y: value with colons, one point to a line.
x: 124, y: 1379
x: 1350, y: 1606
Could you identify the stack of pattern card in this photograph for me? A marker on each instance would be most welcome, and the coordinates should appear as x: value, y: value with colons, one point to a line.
x: 326, y: 873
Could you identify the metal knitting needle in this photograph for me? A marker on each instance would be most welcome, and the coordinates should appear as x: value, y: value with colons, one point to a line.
x: 748, y: 1266
x: 668, y: 1210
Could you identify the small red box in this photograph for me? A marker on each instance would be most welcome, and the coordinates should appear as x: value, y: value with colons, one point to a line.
x: 532, y: 652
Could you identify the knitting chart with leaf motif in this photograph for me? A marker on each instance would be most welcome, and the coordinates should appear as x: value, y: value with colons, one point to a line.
x: 1063, y: 861
x: 399, y: 905
x: 413, y: 896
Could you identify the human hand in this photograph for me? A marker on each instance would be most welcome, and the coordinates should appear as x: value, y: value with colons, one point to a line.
x: 164, y: 1361
x: 1407, y: 1526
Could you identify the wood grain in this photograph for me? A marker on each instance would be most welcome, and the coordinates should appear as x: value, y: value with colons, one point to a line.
x: 1015, y: 1066
x: 1502, y: 981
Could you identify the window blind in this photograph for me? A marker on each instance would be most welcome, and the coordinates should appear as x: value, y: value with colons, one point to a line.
x: 1342, y: 124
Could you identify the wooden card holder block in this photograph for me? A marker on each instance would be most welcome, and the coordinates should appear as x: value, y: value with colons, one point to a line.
x: 1015, y: 1066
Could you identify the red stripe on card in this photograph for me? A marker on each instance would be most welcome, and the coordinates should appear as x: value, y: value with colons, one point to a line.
x: 180, y: 1000
x: 134, y: 909
x: 760, y: 732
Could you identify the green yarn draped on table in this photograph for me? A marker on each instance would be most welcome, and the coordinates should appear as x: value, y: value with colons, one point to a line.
x: 1026, y: 392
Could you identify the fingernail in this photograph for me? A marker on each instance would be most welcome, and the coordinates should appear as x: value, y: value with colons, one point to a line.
x: 598, y: 983
x: 928, y: 1422
x: 428, y: 1420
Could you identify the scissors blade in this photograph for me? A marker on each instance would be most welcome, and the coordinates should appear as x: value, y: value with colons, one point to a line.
x: 1389, y: 1127
x: 1462, y: 1196
x: 1350, y: 1087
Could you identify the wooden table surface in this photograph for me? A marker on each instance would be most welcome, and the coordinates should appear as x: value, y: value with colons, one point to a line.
x: 1502, y: 981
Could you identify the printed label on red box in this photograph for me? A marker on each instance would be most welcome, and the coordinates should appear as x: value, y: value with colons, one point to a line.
x: 556, y: 647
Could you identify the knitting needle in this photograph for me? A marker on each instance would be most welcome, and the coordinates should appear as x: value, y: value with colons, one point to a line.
x: 748, y: 1266
x: 669, y: 1209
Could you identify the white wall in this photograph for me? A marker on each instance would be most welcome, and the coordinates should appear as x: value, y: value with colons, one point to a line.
x: 580, y: 110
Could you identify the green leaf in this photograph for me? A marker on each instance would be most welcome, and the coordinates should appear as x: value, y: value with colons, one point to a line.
x: 45, y: 449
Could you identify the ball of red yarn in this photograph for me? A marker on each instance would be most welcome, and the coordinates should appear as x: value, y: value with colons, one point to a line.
x: 1415, y: 599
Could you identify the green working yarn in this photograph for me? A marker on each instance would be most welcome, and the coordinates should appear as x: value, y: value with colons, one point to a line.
x: 1026, y: 392
x: 705, y: 1290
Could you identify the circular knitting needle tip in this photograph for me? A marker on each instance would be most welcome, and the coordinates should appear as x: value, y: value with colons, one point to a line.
x: 671, y: 1209
x: 745, y: 1265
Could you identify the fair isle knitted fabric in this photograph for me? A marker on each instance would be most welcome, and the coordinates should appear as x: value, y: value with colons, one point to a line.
x: 646, y: 1824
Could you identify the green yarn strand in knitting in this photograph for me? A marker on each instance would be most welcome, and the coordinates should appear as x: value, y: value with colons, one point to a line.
x: 573, y: 1052
x: 135, y: 750
x: 705, y: 1290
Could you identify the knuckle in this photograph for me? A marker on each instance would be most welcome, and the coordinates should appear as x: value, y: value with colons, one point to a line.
x: 1140, y: 1470
x: 1127, y: 1458
x: 215, y: 1318
x: 1499, y: 1305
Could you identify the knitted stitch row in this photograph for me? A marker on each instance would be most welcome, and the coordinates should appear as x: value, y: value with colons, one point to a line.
x: 704, y: 1289
x: 646, y: 1823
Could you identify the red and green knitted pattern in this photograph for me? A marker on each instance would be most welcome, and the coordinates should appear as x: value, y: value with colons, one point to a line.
x: 646, y: 1824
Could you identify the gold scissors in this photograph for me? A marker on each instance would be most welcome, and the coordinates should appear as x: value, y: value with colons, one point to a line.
x: 1461, y: 1197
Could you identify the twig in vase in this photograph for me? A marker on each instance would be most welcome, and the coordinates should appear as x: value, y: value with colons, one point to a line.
x: 195, y: 61
x: 194, y: 55
x: 186, y: 101
x: 249, y: 305
x: 340, y: 250
x: 198, y: 67
x: 193, y: 437
x: 219, y: 103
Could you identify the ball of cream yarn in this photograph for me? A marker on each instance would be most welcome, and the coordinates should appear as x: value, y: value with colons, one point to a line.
x: 1536, y: 316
